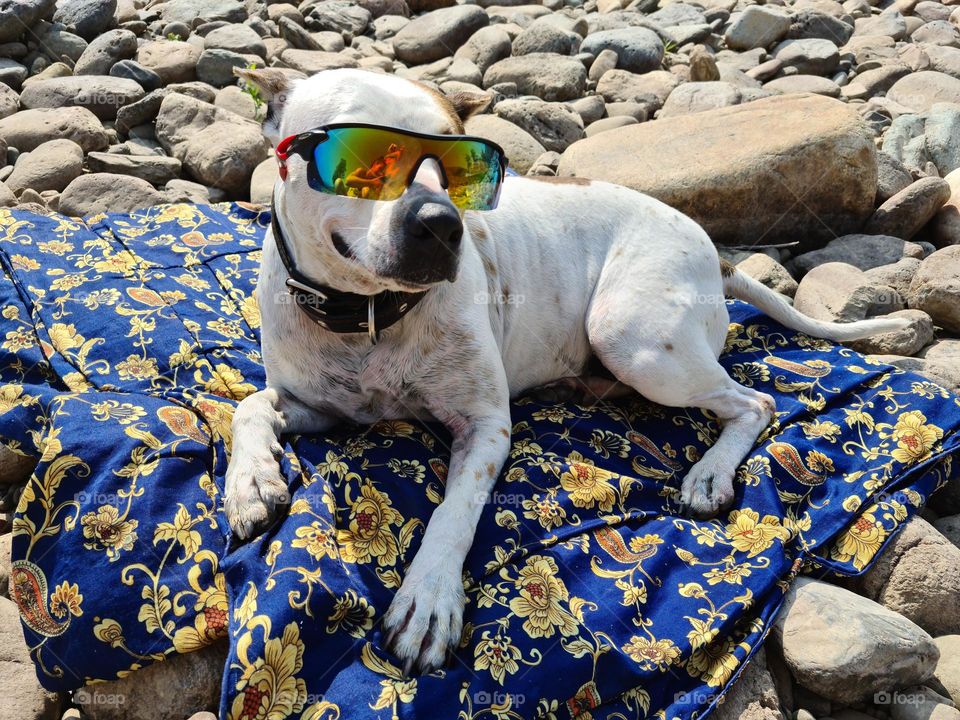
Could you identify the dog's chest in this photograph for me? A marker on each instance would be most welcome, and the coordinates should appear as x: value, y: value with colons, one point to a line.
x: 363, y: 383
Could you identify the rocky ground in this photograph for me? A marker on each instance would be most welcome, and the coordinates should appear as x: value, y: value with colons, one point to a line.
x: 818, y: 142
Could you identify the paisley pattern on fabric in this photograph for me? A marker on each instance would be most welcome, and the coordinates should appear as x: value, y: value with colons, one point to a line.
x: 126, y: 342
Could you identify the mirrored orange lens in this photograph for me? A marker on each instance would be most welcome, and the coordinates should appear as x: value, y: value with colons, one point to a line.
x: 366, y: 162
x: 378, y: 163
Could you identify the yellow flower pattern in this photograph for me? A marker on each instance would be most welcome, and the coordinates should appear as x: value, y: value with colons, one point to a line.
x: 125, y: 344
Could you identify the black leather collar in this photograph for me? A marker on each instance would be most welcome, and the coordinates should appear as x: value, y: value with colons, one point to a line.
x: 336, y: 310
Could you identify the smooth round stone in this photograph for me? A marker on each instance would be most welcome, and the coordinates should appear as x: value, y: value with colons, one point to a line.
x: 804, y: 84
x: 638, y: 49
x: 132, y: 70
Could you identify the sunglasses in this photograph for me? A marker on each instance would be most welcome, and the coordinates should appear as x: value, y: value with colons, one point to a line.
x: 372, y: 162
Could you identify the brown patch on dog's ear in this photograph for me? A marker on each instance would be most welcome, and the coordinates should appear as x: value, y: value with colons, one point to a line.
x: 726, y: 268
x: 466, y: 104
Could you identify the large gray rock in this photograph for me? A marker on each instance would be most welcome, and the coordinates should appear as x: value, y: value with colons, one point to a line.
x: 862, y: 251
x: 813, y: 56
x: 21, y: 697
x: 521, y: 147
x: 217, y: 147
x: 314, y: 61
x: 945, y: 227
x: 941, y: 133
x: 155, y: 169
x: 17, y: 16
x: 892, y: 177
x: 935, y: 288
x: 548, y: 76
x: 759, y: 26
x: 753, y: 696
x: 28, y: 129
x: 193, y: 12
x: 920, y: 91
x: 897, y: 275
x: 51, y: 166
x: 181, y: 685
x: 837, y: 292
x: 553, y: 125
x: 485, y: 47
x: 87, y: 18
x: 105, y: 192
x: 437, y: 34
x: 909, y: 210
x: 948, y: 669
x: 340, y: 16
x: 9, y: 101
x: 738, y: 171
x: 57, y: 42
x: 172, y: 60
x: 102, y: 95
x: 917, y: 576
x: 764, y: 268
x: 105, y: 51
x: 905, y: 341
x: 262, y: 182
x: 638, y: 49
x: 847, y: 648
x: 12, y: 73
x: 545, y: 36
x: 239, y: 38
x: 694, y: 97
x: 650, y: 90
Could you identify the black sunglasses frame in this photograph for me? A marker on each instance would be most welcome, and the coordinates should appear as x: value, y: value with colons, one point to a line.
x: 304, y: 144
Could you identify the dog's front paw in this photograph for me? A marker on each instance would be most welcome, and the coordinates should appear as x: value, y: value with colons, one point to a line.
x: 425, y: 620
x: 705, y: 491
x: 254, y: 489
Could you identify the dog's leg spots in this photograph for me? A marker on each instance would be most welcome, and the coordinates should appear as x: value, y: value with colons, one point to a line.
x: 255, y: 487
x: 696, y: 380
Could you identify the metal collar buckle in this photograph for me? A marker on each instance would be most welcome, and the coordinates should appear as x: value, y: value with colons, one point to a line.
x: 371, y: 322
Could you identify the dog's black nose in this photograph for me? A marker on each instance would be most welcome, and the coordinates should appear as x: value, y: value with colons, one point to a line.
x: 435, y: 222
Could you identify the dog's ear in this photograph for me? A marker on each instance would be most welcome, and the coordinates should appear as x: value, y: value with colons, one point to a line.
x: 271, y: 86
x: 466, y: 104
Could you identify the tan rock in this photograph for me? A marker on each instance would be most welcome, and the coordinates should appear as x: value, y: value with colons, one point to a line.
x: 845, y: 647
x: 838, y: 292
x: 948, y: 668
x: 771, y: 273
x: 740, y: 170
x: 753, y: 696
x: 21, y: 697
x: 181, y: 685
x: 935, y: 288
x: 172, y: 60
x: 29, y: 129
x: 905, y: 341
x: 945, y: 226
x: 918, y: 576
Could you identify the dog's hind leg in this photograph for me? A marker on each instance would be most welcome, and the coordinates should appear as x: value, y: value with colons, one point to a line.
x: 688, y: 375
x: 254, y: 485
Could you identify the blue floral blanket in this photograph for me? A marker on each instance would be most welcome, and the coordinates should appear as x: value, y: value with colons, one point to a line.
x: 127, y: 341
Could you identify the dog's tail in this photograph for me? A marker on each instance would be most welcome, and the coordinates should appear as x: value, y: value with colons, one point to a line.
x: 744, y: 287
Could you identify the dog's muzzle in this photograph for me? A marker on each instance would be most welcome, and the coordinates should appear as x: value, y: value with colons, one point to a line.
x: 427, y: 239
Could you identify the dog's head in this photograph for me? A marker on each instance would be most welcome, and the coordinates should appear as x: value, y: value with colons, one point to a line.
x: 366, y: 246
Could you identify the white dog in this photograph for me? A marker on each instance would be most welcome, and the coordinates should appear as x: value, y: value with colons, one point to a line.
x: 515, y: 298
